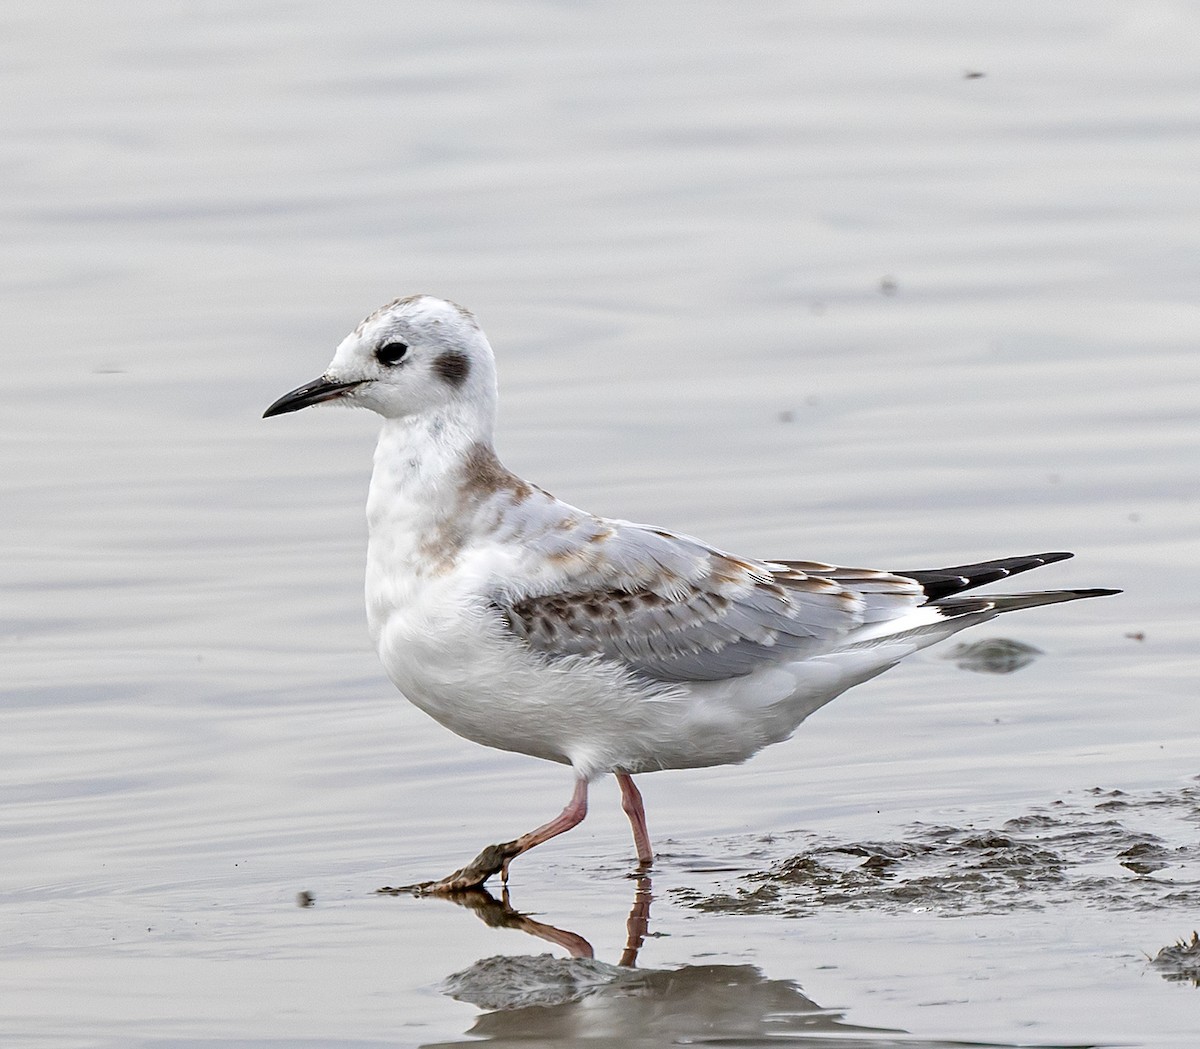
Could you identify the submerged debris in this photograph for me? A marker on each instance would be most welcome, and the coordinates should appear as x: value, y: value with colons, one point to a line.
x: 1180, y: 962
x: 993, y: 655
x: 504, y: 982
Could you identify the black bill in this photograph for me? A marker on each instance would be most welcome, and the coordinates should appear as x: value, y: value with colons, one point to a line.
x: 322, y: 389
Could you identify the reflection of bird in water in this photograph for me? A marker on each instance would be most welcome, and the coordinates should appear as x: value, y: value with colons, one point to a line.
x: 729, y: 1005
x: 500, y: 914
x: 524, y: 623
x: 721, y: 1004
x: 581, y: 1000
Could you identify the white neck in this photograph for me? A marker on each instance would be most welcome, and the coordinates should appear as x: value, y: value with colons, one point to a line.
x: 419, y: 463
x: 430, y: 491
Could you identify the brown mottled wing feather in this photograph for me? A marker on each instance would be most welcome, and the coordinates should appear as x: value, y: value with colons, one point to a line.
x: 885, y: 595
x: 674, y: 609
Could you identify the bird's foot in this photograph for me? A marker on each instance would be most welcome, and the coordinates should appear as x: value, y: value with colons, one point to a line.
x: 643, y: 869
x: 492, y: 860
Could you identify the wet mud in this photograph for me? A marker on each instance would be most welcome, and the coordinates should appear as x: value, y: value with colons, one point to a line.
x: 1103, y: 848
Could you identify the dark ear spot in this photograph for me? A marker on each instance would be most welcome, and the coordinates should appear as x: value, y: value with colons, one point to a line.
x: 453, y: 367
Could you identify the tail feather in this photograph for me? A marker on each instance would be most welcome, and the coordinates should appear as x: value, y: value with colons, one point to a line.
x: 937, y: 620
x: 997, y: 603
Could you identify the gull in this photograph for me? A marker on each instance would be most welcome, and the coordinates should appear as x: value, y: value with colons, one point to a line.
x: 524, y: 623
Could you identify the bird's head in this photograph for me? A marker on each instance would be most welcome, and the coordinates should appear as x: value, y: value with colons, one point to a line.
x: 415, y: 356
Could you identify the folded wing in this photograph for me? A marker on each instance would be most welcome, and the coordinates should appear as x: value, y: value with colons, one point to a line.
x: 674, y: 609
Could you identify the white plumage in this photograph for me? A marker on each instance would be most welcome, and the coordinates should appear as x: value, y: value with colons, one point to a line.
x: 524, y: 623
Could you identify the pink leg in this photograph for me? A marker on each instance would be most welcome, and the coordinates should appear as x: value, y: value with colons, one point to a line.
x: 496, y: 858
x: 631, y: 802
x: 570, y: 817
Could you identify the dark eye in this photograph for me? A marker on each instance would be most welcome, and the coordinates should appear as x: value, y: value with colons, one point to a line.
x: 391, y: 353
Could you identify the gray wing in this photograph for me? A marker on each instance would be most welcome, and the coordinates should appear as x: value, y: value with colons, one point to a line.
x: 674, y: 609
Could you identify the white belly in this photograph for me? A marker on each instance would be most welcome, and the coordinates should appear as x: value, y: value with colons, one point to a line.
x: 453, y: 658
x: 464, y: 673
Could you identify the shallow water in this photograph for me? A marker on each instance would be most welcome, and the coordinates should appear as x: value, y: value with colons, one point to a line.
x: 789, y: 280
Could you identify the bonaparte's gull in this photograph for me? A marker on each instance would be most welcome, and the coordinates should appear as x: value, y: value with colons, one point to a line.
x: 524, y: 623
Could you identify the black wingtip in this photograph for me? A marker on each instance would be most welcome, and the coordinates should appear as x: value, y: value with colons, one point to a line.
x: 1058, y: 555
x: 940, y: 583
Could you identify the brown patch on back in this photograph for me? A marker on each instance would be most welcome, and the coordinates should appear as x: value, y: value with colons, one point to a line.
x: 452, y: 367
x: 484, y: 475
